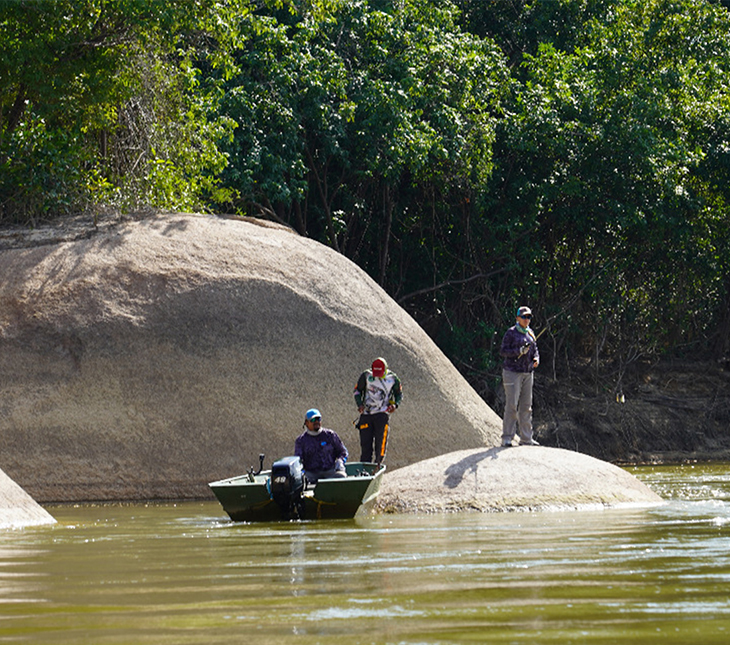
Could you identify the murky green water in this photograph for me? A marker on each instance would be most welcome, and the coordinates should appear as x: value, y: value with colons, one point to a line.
x: 185, y: 574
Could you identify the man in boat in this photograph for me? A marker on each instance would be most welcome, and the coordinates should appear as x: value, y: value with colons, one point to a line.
x: 378, y: 392
x: 321, y: 450
x: 521, y: 357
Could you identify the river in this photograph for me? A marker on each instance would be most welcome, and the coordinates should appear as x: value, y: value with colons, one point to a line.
x: 184, y: 574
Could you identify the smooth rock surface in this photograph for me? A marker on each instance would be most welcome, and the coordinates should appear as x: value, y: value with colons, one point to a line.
x: 18, y: 509
x: 151, y: 357
x: 510, y: 479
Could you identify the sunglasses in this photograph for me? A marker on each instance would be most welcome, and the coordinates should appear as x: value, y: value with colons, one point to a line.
x: 528, y: 316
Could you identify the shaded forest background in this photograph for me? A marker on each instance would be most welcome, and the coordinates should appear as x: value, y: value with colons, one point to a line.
x: 471, y: 156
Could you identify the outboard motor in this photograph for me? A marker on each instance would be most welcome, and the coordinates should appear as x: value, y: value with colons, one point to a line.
x: 287, y: 486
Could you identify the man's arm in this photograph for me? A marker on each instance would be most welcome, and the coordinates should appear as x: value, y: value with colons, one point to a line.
x: 341, y: 449
x: 510, y: 348
x: 396, y: 393
x: 360, y: 390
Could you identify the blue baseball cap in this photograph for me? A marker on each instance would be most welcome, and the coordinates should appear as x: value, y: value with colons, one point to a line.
x: 312, y: 414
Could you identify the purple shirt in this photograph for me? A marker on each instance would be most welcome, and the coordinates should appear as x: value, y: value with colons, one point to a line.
x: 319, y: 452
x: 512, y: 342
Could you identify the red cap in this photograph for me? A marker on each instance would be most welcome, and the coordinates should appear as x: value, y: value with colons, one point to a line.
x: 380, y: 367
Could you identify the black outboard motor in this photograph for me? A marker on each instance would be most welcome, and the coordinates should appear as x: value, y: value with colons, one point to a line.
x: 287, y: 486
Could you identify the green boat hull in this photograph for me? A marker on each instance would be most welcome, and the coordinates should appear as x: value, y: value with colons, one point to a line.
x: 250, y: 501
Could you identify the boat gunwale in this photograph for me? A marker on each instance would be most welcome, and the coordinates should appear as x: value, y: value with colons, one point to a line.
x: 262, y: 477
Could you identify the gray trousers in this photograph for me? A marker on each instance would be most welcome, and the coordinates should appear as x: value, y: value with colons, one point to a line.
x: 517, y: 405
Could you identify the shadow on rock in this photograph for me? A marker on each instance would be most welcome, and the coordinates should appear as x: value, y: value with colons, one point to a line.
x: 455, y: 473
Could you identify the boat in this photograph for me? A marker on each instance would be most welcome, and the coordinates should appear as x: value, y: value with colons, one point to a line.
x: 283, y: 493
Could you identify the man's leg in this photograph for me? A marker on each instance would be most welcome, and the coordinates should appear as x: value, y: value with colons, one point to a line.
x: 313, y: 477
x: 524, y: 408
x: 512, y: 386
x: 365, y: 426
x: 381, y: 437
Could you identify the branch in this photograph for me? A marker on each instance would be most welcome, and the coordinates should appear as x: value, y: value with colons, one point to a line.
x: 449, y: 283
x: 268, y: 210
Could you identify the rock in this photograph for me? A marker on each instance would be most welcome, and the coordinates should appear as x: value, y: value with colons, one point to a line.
x: 17, y: 508
x: 506, y: 479
x: 144, y: 359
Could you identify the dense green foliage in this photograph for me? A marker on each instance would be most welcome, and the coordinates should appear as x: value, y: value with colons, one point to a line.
x: 96, y: 98
x: 473, y: 155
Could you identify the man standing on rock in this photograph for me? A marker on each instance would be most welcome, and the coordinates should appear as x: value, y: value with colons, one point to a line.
x: 378, y: 393
x: 521, y: 357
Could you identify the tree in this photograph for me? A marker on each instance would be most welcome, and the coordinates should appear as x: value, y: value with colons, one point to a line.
x: 357, y: 126
x: 604, y: 182
x: 96, y: 93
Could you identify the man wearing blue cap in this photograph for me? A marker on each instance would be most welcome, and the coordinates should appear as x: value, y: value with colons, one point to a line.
x: 521, y: 357
x: 321, y: 450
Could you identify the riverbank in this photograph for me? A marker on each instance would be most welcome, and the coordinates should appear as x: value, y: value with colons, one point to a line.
x: 665, y: 412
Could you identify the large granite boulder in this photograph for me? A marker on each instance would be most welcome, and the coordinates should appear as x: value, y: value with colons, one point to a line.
x: 18, y: 509
x: 147, y: 358
x: 509, y: 479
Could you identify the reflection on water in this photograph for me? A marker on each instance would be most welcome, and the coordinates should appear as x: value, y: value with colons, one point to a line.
x: 185, y: 574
